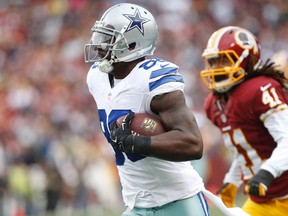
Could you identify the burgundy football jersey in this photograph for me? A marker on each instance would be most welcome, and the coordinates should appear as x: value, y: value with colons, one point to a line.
x: 240, y: 117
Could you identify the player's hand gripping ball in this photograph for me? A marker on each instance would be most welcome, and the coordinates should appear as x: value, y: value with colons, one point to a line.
x: 144, y: 124
x: 134, y: 129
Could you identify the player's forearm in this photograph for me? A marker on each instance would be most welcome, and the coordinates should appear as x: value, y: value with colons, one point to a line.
x: 278, y: 162
x: 176, y: 146
x: 234, y: 174
x: 277, y: 124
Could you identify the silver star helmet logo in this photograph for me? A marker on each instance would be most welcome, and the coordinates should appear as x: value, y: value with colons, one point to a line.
x: 136, y: 21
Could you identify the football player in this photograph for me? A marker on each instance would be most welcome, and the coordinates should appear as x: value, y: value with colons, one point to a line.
x: 249, y: 106
x: 155, y: 172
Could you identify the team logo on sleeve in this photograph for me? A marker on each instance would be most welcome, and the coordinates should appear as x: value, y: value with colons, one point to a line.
x: 136, y: 21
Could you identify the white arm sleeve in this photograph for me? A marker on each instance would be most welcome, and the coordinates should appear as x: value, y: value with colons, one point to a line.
x: 277, y: 125
x: 234, y: 174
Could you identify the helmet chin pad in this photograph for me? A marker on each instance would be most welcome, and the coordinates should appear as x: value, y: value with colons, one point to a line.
x: 105, y: 66
x: 224, y: 88
x: 226, y: 85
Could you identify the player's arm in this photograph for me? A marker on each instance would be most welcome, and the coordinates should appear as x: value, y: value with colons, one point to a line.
x: 277, y: 125
x: 276, y: 122
x: 182, y: 141
x: 273, y: 167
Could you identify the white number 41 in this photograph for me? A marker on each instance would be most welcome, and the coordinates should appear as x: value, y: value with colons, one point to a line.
x: 270, y: 97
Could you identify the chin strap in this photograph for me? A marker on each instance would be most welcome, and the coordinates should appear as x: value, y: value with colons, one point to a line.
x: 106, y: 66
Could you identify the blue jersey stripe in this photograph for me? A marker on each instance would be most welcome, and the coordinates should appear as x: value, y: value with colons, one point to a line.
x: 163, y: 71
x: 204, y: 204
x: 95, y: 65
x: 165, y: 79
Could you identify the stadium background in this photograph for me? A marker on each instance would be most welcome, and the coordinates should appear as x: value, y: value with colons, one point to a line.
x: 52, y: 154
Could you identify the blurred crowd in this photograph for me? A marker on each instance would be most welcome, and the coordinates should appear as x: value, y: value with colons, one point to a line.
x: 53, y: 158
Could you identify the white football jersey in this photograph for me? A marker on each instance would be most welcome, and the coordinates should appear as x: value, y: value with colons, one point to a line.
x: 146, y: 181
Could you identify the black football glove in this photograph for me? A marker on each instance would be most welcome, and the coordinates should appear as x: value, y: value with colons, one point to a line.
x: 259, y: 183
x: 123, y: 139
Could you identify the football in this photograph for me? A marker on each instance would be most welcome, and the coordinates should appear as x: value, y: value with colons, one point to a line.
x: 144, y: 124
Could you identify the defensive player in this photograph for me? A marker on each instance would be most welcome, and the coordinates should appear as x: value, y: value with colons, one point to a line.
x: 248, y: 104
x: 155, y: 172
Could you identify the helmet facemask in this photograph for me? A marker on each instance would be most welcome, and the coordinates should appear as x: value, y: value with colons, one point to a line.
x: 222, y: 70
x: 104, y: 43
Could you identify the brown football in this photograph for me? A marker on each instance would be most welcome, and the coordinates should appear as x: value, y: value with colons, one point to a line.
x: 145, y: 124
